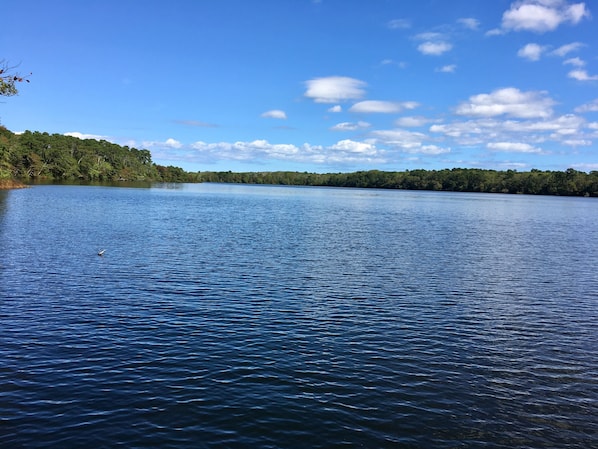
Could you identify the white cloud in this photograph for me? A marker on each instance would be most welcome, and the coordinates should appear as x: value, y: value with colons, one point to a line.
x: 336, y: 108
x: 531, y: 52
x: 168, y: 143
x: 246, y: 150
x: 400, y: 138
x: 275, y: 113
x: 582, y: 75
x: 564, y: 50
x: 351, y: 146
x: 84, y: 136
x: 433, y: 43
x: 334, y: 89
x: 587, y: 167
x: 384, y: 107
x: 470, y: 23
x: 482, y: 131
x: 592, y: 106
x: 342, y: 152
x: 565, y: 124
x: 434, y: 48
x: 447, y: 68
x: 514, y: 147
x: 349, y: 126
x: 508, y: 101
x: 410, y: 104
x: 407, y: 141
x: 542, y: 15
x: 173, y: 143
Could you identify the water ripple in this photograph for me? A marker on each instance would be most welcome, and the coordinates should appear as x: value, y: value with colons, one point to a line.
x: 257, y: 319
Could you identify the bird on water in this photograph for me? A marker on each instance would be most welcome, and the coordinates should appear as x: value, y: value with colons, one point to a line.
x: 101, y: 252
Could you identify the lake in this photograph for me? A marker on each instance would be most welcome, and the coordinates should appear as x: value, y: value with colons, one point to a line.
x: 289, y: 317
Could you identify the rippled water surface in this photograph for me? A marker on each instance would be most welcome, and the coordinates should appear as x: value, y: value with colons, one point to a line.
x: 281, y: 317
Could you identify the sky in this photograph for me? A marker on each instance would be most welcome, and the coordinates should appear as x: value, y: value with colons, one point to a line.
x: 313, y: 85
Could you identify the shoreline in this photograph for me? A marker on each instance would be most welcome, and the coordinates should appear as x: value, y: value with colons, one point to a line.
x: 9, y: 184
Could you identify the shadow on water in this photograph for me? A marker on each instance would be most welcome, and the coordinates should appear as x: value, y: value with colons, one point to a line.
x: 129, y: 184
x: 3, y: 202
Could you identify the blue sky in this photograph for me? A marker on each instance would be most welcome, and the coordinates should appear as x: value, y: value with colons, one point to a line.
x: 319, y: 86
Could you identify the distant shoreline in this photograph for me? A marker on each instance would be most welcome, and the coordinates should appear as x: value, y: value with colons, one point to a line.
x: 74, y: 160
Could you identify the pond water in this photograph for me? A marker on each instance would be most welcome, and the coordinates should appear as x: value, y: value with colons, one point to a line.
x: 282, y: 317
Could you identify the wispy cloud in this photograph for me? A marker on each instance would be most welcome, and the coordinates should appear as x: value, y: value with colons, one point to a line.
x: 577, y: 62
x: 407, y: 141
x: 350, y: 126
x: 399, y: 64
x: 447, y: 68
x: 469, y: 23
x: 383, y: 107
x: 564, y: 50
x: 196, y: 123
x: 592, y: 106
x: 399, y: 24
x: 412, y: 121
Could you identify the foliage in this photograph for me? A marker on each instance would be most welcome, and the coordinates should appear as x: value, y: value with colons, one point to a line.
x: 535, y: 182
x: 40, y: 156
x: 9, y: 79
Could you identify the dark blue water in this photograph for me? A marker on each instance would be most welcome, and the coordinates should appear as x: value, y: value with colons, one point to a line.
x: 280, y: 317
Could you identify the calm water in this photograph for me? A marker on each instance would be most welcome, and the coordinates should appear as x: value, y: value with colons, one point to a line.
x: 281, y: 317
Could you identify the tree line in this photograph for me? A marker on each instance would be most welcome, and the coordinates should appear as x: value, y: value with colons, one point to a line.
x: 37, y: 156
x: 535, y: 182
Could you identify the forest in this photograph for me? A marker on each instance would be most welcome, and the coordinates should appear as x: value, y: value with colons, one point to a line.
x: 42, y: 157
x: 37, y: 156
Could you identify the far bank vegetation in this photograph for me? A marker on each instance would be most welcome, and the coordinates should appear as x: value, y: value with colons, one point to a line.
x: 42, y: 157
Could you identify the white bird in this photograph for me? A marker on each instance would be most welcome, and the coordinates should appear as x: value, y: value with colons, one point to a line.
x: 101, y: 252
